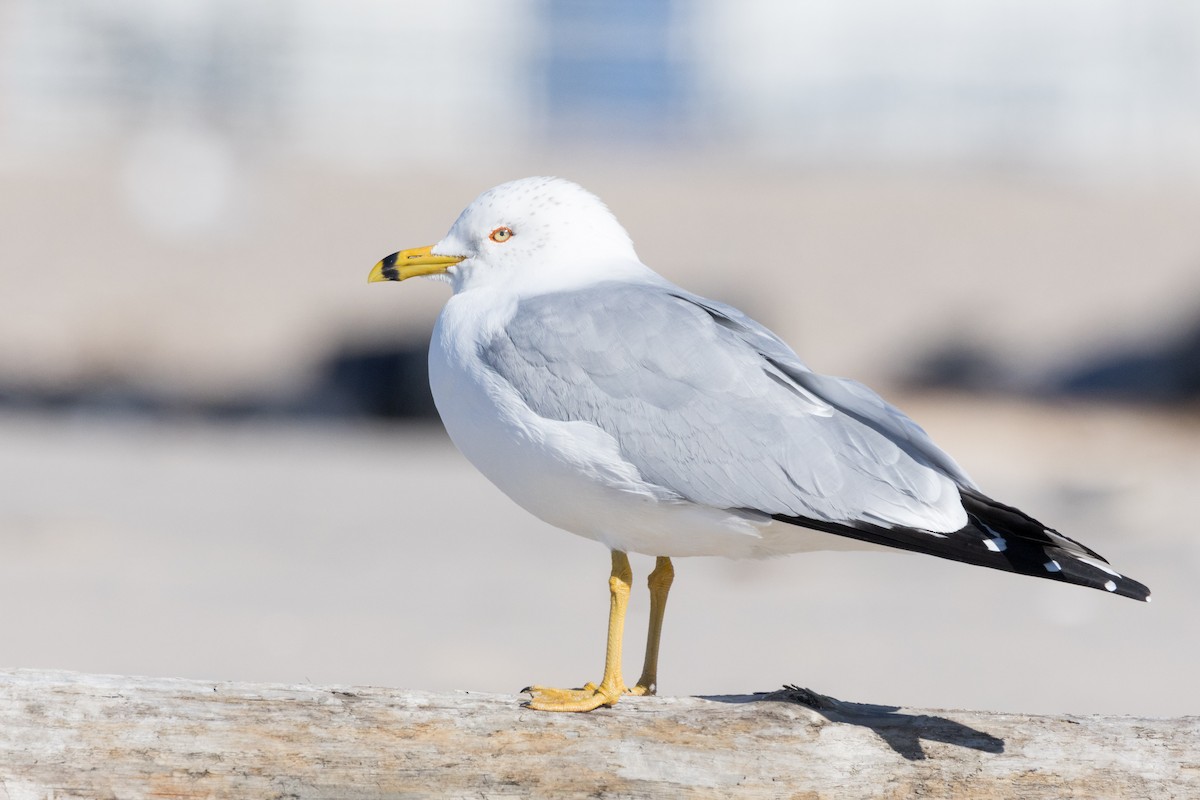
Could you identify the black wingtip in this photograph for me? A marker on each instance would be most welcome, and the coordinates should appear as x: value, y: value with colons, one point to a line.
x: 1044, y: 552
x: 1071, y: 569
x: 998, y: 537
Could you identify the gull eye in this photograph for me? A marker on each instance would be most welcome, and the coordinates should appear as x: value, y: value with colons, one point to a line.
x: 501, y: 234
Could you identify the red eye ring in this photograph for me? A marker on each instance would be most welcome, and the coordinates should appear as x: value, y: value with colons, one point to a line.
x: 501, y: 234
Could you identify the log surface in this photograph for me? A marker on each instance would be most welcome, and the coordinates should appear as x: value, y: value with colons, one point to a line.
x: 67, y: 735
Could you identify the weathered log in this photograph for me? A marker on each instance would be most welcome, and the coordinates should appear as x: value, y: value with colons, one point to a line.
x: 67, y: 735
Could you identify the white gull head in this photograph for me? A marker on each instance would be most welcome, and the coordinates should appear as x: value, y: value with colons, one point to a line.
x: 535, y: 235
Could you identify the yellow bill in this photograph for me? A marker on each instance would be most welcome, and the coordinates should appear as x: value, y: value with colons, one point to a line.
x: 411, y: 263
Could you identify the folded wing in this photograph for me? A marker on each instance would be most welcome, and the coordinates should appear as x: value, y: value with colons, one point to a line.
x: 714, y: 408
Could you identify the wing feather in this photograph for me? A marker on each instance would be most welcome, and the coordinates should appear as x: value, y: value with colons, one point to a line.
x: 711, y: 406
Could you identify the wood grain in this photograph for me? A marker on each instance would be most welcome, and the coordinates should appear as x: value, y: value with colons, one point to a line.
x: 67, y: 735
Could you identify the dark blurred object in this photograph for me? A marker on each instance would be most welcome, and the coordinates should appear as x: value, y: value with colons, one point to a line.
x: 1164, y: 372
x: 356, y: 382
x: 380, y: 382
x: 964, y: 367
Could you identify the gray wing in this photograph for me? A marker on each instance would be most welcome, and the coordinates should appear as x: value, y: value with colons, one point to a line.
x: 713, y: 407
x: 850, y: 397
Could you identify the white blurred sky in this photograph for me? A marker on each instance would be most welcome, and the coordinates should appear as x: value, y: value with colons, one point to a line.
x: 1096, y: 85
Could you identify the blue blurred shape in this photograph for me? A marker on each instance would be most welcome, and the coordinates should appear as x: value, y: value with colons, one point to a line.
x: 1162, y: 372
x: 608, y: 69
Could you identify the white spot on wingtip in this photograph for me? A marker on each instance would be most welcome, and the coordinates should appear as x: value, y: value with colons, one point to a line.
x: 1112, y: 587
x: 1052, y: 566
x: 997, y: 544
x: 1148, y: 598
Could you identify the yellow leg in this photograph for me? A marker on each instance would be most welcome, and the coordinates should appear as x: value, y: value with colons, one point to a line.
x: 660, y: 584
x: 612, y: 686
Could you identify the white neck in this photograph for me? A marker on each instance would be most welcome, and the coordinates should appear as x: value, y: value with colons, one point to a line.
x: 548, y: 276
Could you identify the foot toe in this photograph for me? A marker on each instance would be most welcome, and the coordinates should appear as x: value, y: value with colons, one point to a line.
x: 586, y: 699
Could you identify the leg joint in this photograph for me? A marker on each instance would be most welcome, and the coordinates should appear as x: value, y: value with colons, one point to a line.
x: 663, y: 575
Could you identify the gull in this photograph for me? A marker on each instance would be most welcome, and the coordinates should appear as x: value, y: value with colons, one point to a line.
x: 615, y: 405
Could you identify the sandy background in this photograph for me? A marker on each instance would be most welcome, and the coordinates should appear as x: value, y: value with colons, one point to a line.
x: 861, y: 271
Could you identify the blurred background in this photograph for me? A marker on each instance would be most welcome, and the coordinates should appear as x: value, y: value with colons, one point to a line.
x: 218, y: 455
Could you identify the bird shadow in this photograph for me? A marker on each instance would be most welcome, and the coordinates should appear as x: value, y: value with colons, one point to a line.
x: 902, y: 732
